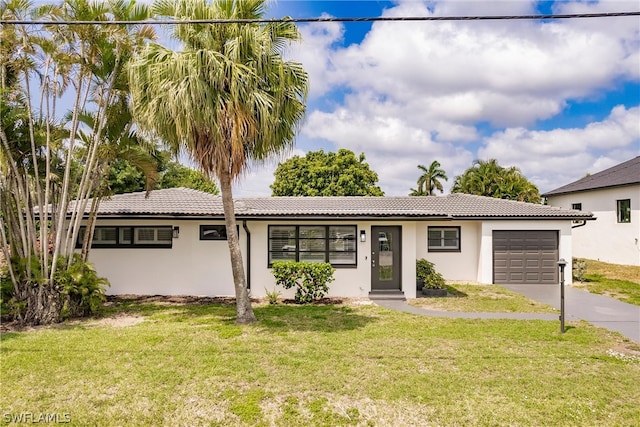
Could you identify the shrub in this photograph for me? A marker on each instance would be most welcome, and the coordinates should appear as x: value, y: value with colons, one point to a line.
x: 83, y: 292
x: 78, y: 288
x: 310, y: 279
x: 272, y: 296
x: 579, y: 269
x: 427, y: 274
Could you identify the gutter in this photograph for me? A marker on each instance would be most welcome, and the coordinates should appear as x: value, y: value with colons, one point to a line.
x: 246, y: 230
x: 584, y: 222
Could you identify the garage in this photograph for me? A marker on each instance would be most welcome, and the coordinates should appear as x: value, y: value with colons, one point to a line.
x: 525, y: 257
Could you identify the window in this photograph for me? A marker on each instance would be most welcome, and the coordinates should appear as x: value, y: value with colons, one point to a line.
x: 335, y: 244
x: 129, y: 237
x: 576, y: 206
x: 624, y: 210
x: 213, y: 232
x: 443, y: 239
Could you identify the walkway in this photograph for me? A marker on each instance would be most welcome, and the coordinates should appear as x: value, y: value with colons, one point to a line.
x: 579, y: 305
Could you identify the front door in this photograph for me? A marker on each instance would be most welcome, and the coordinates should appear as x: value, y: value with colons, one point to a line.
x: 385, y: 258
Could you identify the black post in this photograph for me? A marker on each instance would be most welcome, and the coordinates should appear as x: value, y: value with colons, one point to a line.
x: 562, y: 264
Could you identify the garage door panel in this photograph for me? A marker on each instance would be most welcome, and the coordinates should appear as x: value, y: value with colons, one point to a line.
x: 516, y: 263
x: 525, y: 256
x: 533, y: 263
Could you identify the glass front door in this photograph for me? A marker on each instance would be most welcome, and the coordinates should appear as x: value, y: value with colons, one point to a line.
x: 385, y: 258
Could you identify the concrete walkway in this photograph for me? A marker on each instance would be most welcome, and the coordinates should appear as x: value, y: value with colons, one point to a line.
x: 579, y: 305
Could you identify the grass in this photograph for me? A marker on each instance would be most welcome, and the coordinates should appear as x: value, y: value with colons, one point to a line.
x: 189, y: 364
x: 617, y: 281
x: 483, y: 298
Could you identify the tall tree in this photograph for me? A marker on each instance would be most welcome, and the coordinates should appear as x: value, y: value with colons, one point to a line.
x: 48, y: 164
x: 326, y: 174
x: 429, y: 181
x: 178, y: 175
x: 226, y: 98
x: 488, y: 178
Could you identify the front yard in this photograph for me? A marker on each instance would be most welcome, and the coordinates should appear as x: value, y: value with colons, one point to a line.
x: 482, y: 298
x: 617, y: 281
x: 160, y: 363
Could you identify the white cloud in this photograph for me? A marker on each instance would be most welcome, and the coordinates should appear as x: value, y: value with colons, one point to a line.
x: 256, y: 182
x: 420, y: 91
x: 569, y: 153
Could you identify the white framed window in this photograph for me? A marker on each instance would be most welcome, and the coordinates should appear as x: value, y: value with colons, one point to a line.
x: 443, y: 239
x: 576, y: 206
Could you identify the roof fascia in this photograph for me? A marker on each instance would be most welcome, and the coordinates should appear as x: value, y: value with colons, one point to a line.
x: 605, y: 187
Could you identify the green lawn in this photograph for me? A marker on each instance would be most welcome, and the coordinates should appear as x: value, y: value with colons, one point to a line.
x: 483, y: 298
x: 613, y: 280
x: 163, y: 364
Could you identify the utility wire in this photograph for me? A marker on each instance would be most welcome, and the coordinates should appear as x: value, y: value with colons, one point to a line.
x: 325, y: 19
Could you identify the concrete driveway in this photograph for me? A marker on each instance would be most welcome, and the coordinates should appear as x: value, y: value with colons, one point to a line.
x: 581, y: 305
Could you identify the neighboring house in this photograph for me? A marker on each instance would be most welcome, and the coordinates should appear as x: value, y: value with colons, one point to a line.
x: 174, y: 241
x: 613, y: 196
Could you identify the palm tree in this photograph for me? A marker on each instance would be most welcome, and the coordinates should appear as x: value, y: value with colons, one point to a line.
x: 429, y: 181
x: 488, y: 178
x: 228, y: 98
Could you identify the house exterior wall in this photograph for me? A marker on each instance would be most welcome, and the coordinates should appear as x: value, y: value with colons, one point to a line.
x: 605, y: 239
x: 485, y: 267
x: 191, y: 267
x: 202, y: 267
x: 351, y: 282
x: 459, y: 266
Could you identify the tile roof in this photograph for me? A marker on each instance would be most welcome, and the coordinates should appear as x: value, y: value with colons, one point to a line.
x: 186, y: 202
x: 626, y: 173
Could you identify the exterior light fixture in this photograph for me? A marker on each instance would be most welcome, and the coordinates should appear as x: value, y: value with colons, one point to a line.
x: 363, y: 235
x: 176, y: 232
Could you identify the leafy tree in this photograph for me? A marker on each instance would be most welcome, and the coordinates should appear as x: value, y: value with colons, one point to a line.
x: 429, y: 181
x: 227, y: 98
x: 488, y: 178
x: 326, y: 174
x: 125, y: 177
x: 53, y: 165
x: 178, y: 175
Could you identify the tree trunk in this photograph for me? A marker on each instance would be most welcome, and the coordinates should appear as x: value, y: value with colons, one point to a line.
x: 43, y: 304
x: 244, y: 311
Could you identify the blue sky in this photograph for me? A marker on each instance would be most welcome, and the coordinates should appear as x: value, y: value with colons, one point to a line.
x: 555, y: 99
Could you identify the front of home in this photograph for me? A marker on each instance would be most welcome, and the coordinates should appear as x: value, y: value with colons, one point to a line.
x: 613, y: 196
x: 174, y: 241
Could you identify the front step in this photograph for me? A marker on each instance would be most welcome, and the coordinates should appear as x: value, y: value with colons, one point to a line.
x: 387, y: 295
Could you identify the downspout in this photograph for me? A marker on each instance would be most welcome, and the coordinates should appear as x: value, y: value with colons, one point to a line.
x: 246, y: 230
x: 584, y: 222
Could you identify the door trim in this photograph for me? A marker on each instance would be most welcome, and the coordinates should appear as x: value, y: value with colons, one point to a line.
x: 396, y: 249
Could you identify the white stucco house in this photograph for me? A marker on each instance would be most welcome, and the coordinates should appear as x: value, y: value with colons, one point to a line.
x: 174, y: 241
x: 613, y: 196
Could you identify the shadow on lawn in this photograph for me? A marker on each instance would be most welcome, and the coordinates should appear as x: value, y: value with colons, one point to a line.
x: 320, y: 318
x: 325, y: 316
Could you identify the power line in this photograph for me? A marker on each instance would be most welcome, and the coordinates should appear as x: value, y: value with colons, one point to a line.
x: 327, y: 19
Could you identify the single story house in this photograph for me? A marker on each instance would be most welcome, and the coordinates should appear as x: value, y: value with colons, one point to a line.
x: 174, y: 241
x: 613, y: 196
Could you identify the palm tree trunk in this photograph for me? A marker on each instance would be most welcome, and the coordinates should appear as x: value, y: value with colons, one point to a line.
x: 244, y: 311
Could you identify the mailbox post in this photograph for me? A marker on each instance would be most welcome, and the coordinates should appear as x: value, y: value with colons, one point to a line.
x: 562, y: 264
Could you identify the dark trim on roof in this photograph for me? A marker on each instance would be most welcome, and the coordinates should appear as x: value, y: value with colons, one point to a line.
x: 621, y: 175
x: 558, y: 193
x: 342, y: 217
x: 534, y: 218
